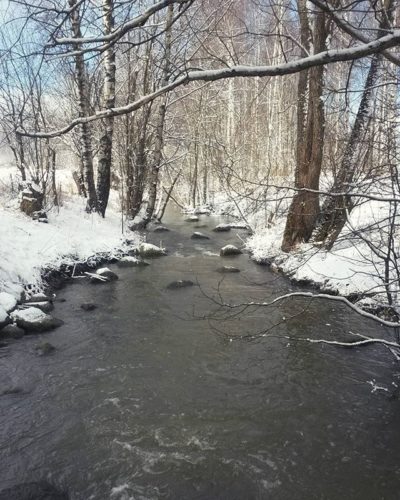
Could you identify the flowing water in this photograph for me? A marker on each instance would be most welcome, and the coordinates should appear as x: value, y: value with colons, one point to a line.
x: 148, y: 397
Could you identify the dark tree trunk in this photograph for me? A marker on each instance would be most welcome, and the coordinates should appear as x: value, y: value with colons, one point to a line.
x: 106, y: 139
x: 304, y: 209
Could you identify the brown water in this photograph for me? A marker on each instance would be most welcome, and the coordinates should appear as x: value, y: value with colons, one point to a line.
x: 145, y: 398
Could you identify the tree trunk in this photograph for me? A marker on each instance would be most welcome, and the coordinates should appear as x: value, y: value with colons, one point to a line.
x: 304, y: 208
x: 83, y: 103
x: 152, y: 179
x: 106, y: 139
x: 336, y: 208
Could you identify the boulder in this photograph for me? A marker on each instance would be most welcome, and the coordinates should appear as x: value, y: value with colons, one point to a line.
x: 43, y: 306
x: 160, y: 229
x: 102, y: 275
x: 175, y: 285
x: 222, y: 228
x: 129, y: 261
x: 12, y: 331
x: 44, y: 349
x: 199, y: 236
x: 41, y: 490
x: 149, y: 250
x: 228, y: 269
x: 192, y: 218
x: 238, y: 225
x: 31, y: 198
x: 37, y: 297
x: 88, y: 306
x: 228, y: 250
x: 33, y: 319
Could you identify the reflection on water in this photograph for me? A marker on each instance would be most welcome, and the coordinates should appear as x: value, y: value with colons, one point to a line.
x: 144, y: 399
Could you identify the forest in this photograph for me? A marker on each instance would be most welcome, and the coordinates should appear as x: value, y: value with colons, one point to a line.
x: 129, y: 128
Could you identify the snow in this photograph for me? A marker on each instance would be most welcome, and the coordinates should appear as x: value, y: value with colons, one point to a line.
x: 27, y: 246
x: 349, y: 268
x: 31, y: 314
x: 3, y: 314
x: 7, y: 301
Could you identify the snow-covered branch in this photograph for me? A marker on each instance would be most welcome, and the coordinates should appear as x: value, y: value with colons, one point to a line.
x: 291, y: 67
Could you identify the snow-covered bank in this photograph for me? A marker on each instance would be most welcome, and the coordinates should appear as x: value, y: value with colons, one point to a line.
x: 27, y: 246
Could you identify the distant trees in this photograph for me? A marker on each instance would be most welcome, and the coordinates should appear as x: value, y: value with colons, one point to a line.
x: 281, y: 109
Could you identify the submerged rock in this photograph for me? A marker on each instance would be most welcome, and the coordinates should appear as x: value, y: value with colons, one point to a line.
x: 149, y: 250
x: 45, y: 349
x: 228, y: 269
x: 199, y: 236
x: 12, y: 331
x: 175, y: 285
x: 33, y: 319
x: 160, y: 229
x: 88, y: 306
x: 41, y: 490
x: 228, y: 250
x: 132, y: 262
x: 222, y: 228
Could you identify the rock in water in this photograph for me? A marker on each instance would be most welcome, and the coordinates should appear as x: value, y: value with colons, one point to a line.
x: 33, y: 319
x: 88, y: 306
x: 160, y: 229
x: 132, y: 262
x: 41, y: 490
x: 7, y: 301
x: 222, y: 228
x: 43, y: 306
x: 175, y: 285
x: 149, y: 250
x: 45, y: 349
x: 12, y: 332
x: 229, y: 250
x: 199, y: 236
x: 228, y: 269
x: 192, y: 218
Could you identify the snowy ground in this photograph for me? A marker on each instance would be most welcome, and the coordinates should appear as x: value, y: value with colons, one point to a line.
x: 27, y: 246
x: 350, y: 268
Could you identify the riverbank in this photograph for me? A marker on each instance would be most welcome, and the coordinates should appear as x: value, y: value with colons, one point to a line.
x: 33, y: 252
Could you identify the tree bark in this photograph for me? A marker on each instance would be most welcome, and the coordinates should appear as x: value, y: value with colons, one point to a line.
x: 336, y: 209
x: 106, y: 139
x: 304, y: 208
x: 84, y: 110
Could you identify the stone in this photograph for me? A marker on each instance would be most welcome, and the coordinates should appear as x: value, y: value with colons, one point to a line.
x: 229, y: 250
x: 44, y: 349
x: 238, y: 225
x: 228, y: 269
x: 149, y: 250
x: 41, y: 490
x: 40, y: 215
x: 175, y: 285
x: 12, y: 331
x: 104, y: 272
x: 33, y: 319
x: 31, y: 198
x: 222, y: 228
x: 88, y: 306
x: 37, y: 297
x: 43, y: 306
x: 192, y: 218
x: 160, y: 229
x: 132, y: 262
x: 199, y: 236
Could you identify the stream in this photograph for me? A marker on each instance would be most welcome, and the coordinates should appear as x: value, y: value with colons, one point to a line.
x: 147, y: 398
